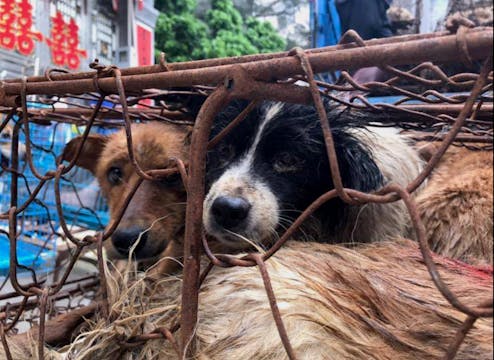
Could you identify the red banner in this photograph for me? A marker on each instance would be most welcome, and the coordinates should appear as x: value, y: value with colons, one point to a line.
x: 16, y: 33
x: 64, y: 42
x: 144, y: 52
x: 15, y: 26
x: 144, y: 46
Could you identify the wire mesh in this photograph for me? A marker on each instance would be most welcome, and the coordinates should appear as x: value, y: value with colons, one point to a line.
x: 51, y: 204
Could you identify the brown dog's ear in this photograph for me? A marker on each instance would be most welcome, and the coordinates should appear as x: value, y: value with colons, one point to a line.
x: 188, y: 135
x: 90, y: 152
x: 427, y: 150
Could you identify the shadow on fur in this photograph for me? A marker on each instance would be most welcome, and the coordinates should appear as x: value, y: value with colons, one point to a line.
x: 456, y: 205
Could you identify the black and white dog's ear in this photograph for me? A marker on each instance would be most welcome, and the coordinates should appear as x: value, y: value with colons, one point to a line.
x: 188, y: 100
x: 361, y: 172
x: 356, y: 158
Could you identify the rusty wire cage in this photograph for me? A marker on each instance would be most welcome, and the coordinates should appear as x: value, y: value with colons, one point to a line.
x: 433, y: 99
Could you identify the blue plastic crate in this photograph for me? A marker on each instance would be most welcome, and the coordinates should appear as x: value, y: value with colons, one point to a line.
x: 48, y: 142
x: 37, y: 220
x: 28, y: 255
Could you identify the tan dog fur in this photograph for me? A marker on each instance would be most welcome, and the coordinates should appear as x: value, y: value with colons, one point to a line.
x: 154, y: 206
x: 375, y: 301
x: 456, y: 205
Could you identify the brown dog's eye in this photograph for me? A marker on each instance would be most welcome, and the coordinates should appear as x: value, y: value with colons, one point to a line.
x: 115, y: 175
x: 286, y: 162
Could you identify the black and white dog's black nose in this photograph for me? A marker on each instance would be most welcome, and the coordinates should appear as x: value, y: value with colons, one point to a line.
x: 229, y: 211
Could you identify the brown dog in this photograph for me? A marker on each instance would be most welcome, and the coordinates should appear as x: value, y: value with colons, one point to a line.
x: 456, y: 205
x: 153, y: 222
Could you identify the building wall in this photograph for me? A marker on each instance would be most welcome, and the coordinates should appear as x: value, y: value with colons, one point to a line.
x: 430, y: 12
x: 433, y: 13
x: 105, y: 32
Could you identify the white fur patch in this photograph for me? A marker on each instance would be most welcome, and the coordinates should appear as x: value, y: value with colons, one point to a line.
x: 237, y: 181
x: 398, y: 161
x: 400, y: 164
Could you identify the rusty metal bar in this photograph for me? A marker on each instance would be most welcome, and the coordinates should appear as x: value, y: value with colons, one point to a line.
x: 5, y: 344
x: 106, y: 113
x: 441, y: 49
x: 106, y: 306
x: 42, y: 318
x: 467, y: 109
x: 485, y: 111
x: 423, y: 136
x: 199, y: 64
x: 193, y: 216
x: 86, y: 281
x: 274, y: 306
x: 460, y: 336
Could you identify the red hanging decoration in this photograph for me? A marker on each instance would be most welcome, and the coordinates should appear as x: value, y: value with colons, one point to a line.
x: 15, y: 26
x: 64, y: 43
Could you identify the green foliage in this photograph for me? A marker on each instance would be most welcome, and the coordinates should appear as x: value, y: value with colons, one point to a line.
x: 263, y: 36
x: 229, y: 43
x: 224, y: 33
x: 181, y: 36
x: 224, y: 17
x: 175, y: 6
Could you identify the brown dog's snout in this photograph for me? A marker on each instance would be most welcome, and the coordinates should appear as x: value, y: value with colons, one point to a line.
x: 230, y: 211
x: 123, y: 239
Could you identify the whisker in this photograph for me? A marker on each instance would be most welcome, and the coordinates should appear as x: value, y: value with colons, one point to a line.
x: 252, y: 243
x: 362, y: 208
x: 285, y: 223
x: 134, y: 245
x: 290, y: 210
x: 176, y: 203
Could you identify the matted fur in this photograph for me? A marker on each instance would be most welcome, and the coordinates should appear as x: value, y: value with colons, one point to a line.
x: 372, y: 302
x: 456, y: 206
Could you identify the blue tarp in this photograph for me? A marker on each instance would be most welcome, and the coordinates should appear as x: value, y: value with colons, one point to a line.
x: 27, y: 254
x: 324, y: 23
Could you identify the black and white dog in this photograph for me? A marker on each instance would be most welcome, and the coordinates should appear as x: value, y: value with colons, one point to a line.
x: 268, y: 169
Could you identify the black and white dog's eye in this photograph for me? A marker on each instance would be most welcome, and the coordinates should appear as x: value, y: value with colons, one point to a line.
x: 224, y: 154
x: 115, y: 175
x: 286, y: 162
